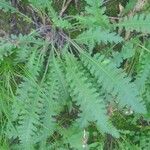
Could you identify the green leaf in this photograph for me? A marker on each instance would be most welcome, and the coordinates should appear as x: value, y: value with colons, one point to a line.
x: 114, y: 81
x: 140, y: 23
x: 6, y: 6
x: 97, y: 36
x: 87, y: 97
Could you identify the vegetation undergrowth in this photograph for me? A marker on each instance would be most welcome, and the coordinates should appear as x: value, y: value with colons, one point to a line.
x: 74, y: 75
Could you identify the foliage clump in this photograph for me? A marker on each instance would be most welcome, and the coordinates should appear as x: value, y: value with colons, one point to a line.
x: 76, y: 81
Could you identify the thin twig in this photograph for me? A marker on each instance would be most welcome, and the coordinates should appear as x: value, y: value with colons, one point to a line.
x: 64, y: 8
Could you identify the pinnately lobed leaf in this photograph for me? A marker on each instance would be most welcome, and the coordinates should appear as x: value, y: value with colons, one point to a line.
x: 139, y: 23
x: 98, y: 36
x: 114, y: 81
x: 81, y: 90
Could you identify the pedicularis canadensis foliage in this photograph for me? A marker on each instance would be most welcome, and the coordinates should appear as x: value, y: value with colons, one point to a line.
x: 78, y: 81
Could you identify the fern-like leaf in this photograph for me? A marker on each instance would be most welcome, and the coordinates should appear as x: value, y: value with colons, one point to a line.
x: 51, y: 105
x: 82, y: 91
x: 97, y: 36
x: 60, y: 75
x: 114, y: 81
x: 28, y: 103
x: 144, y: 72
x: 95, y: 15
x: 126, y: 52
x: 140, y: 23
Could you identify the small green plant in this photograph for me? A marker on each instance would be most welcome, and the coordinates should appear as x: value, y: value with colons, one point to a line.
x: 75, y: 82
